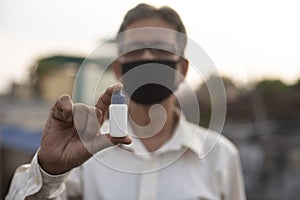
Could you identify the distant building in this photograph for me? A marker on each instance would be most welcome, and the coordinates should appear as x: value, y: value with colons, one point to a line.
x: 56, y: 75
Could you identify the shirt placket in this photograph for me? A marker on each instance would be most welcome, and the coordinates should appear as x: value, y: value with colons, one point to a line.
x: 149, y: 180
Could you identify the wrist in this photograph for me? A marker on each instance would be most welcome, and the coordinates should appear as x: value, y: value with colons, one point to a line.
x: 49, y: 167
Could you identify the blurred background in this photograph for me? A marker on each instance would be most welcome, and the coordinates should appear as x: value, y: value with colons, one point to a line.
x: 254, y: 45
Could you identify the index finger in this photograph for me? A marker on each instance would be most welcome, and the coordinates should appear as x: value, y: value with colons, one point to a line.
x: 105, y: 99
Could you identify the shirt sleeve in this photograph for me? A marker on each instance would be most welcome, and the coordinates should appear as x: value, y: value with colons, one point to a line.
x: 32, y: 182
x: 235, y: 183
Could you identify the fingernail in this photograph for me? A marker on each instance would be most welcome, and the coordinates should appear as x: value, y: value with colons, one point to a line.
x: 118, y: 86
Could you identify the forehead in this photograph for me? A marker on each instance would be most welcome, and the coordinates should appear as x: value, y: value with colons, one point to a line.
x: 147, y: 31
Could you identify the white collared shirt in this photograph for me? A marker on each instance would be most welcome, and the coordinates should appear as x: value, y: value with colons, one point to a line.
x: 194, y: 164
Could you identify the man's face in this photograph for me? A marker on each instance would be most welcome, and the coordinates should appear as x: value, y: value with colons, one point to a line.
x: 148, y: 61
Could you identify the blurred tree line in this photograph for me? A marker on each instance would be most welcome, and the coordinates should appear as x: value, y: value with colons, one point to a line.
x: 265, y: 100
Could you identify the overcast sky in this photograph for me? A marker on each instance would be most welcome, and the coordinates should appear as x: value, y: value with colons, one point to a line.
x: 247, y: 40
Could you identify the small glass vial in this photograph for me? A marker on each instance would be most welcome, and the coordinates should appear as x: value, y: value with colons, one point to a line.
x: 118, y: 114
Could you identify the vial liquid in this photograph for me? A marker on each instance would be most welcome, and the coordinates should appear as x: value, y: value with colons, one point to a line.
x: 118, y: 113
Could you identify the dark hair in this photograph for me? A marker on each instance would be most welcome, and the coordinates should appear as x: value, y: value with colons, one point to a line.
x: 144, y: 11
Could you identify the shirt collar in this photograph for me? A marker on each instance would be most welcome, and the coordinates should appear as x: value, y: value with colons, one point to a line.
x: 185, y: 136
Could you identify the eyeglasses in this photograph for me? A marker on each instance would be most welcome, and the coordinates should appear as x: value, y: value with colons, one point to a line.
x: 159, y: 49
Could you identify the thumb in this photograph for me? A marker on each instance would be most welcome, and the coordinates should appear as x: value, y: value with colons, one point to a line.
x: 65, y: 105
x: 62, y: 109
x: 101, y: 142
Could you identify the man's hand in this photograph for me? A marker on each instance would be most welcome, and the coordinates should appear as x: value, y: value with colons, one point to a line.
x: 70, y: 135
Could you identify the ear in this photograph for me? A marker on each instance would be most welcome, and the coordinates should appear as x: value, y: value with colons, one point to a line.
x: 182, y: 69
x: 116, y: 67
x: 183, y: 66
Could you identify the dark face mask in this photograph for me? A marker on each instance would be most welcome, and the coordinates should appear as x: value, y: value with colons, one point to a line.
x: 149, y: 81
